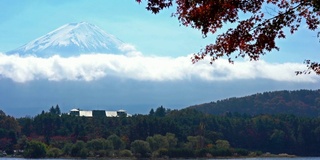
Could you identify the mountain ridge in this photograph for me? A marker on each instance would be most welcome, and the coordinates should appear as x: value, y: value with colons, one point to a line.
x: 72, y: 39
x: 299, y: 103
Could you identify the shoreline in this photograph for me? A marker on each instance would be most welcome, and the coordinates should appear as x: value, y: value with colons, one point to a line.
x: 265, y: 155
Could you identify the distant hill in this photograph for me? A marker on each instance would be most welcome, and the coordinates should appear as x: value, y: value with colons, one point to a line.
x: 300, y: 103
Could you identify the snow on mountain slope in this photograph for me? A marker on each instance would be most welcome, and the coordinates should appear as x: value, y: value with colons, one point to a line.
x: 71, y: 40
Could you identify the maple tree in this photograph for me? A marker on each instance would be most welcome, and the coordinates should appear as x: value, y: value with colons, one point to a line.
x: 252, y: 36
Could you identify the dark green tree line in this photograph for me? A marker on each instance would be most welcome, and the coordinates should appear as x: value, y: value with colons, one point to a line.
x: 185, y: 133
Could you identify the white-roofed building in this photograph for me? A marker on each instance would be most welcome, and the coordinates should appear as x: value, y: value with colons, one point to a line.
x: 74, y: 110
x: 111, y: 114
x: 98, y: 113
x: 85, y: 113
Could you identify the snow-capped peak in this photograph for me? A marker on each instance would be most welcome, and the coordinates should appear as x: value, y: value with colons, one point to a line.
x: 72, y: 39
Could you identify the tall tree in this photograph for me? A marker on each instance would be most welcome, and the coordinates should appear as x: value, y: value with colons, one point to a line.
x: 141, y: 148
x: 35, y: 149
x: 160, y: 112
x: 57, y: 110
x: 253, y: 34
x: 118, y: 144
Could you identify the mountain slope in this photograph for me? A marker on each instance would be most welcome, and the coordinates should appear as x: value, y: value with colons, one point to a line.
x: 70, y: 40
x: 300, y: 103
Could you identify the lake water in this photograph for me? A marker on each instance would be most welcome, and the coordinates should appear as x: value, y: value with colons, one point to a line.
x: 282, y: 158
x: 295, y: 158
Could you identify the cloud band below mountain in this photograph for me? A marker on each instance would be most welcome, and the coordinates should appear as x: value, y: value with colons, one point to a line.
x: 91, y: 67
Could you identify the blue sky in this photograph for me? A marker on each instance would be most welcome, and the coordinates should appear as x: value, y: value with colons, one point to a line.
x: 23, y: 21
x: 161, y: 34
x: 161, y: 75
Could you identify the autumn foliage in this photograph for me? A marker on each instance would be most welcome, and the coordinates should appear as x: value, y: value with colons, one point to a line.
x: 253, y: 36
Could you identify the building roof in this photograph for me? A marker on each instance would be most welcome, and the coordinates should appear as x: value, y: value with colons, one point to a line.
x: 85, y: 113
x: 111, y: 113
x: 107, y: 113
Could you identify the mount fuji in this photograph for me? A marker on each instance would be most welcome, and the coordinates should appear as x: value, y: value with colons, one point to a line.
x: 71, y: 40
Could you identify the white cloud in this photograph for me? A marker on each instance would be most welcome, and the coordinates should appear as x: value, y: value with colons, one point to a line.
x: 146, y: 68
x: 130, y: 50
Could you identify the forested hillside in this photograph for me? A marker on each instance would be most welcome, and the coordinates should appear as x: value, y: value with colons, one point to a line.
x: 162, y: 133
x: 299, y: 103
